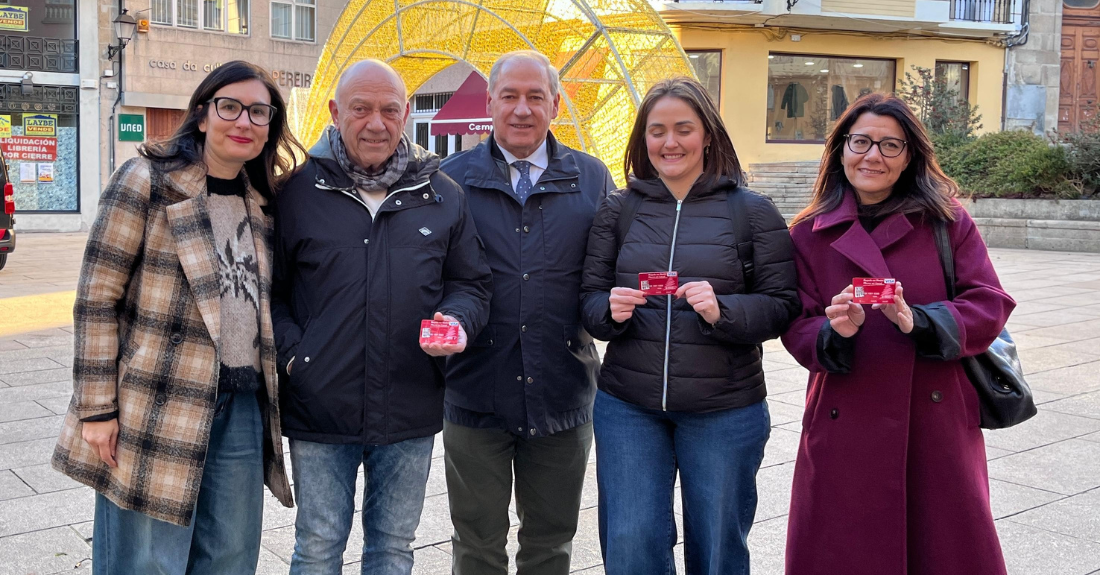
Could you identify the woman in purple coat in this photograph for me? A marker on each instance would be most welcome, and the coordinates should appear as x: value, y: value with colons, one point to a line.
x: 891, y: 472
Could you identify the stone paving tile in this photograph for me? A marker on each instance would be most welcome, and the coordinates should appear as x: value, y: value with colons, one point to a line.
x: 44, y: 479
x: 1007, y: 499
x: 34, y: 352
x: 784, y: 413
x: 35, y: 377
x: 782, y: 447
x: 773, y: 485
x: 1029, y: 551
x: 1028, y: 340
x: 271, y: 564
x: 1049, y: 467
x: 58, y: 405
x: 40, y: 428
x: 767, y: 540
x: 796, y: 398
x: 46, y: 338
x: 1045, y: 428
x: 46, y: 511
x: 1085, y: 405
x: 992, y: 453
x: 1053, y: 357
x: 437, y: 478
x: 1074, y: 516
x: 11, y: 366
x: 1068, y: 380
x: 10, y: 345
x: 11, y: 487
x: 26, y: 453
x: 58, y: 550
x: 22, y: 410
x: 36, y: 391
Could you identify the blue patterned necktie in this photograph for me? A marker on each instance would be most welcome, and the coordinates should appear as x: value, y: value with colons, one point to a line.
x: 523, y: 187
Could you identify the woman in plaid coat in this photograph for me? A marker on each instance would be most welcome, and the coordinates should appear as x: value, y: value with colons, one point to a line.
x: 174, y: 419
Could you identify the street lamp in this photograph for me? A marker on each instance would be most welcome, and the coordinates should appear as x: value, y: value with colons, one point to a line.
x: 124, y: 30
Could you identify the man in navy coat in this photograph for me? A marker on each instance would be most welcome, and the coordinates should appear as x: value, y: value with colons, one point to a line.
x: 520, y: 397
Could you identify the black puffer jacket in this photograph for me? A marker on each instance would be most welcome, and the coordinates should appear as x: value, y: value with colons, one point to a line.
x: 349, y: 291
x: 708, y: 367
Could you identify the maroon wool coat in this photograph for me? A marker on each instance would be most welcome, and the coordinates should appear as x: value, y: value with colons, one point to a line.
x: 891, y: 472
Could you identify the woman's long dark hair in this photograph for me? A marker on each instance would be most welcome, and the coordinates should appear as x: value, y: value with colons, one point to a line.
x: 719, y: 160
x: 279, y: 157
x: 922, y: 188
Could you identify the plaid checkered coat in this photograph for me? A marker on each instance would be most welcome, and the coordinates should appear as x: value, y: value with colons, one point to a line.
x: 146, y: 307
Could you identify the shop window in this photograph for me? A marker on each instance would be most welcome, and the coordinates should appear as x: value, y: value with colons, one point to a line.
x: 211, y: 15
x: 807, y: 94
x: 42, y: 151
x: 38, y: 36
x: 708, y: 68
x: 955, y: 77
x: 294, y: 20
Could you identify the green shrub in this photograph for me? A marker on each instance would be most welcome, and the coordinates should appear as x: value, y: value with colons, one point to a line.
x: 1083, y: 154
x: 1013, y: 163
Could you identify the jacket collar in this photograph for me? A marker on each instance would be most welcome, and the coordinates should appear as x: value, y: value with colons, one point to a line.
x: 190, y: 182
x: 862, y: 248
x: 488, y: 169
x: 657, y: 189
x: 331, y: 175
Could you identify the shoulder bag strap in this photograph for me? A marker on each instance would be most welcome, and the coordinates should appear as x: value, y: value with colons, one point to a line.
x: 742, y: 229
x: 947, y: 258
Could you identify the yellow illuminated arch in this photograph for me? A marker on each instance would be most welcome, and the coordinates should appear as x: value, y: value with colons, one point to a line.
x: 609, y: 53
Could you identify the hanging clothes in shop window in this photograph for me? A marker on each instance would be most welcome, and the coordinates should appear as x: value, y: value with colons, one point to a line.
x: 840, y: 101
x: 794, y: 100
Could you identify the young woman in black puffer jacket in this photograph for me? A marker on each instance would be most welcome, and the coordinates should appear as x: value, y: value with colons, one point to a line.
x: 682, y: 385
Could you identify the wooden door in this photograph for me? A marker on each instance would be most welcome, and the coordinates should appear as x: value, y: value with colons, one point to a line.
x: 162, y: 123
x: 1079, y: 93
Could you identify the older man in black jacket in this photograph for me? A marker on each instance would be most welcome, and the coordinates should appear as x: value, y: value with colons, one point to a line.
x: 521, y: 396
x: 371, y: 238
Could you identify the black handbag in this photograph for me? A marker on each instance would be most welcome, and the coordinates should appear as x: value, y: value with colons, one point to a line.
x: 1004, y: 397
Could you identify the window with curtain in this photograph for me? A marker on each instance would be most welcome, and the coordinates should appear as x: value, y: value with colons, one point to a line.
x: 161, y: 12
x: 187, y: 13
x: 210, y: 15
x: 808, y: 93
x: 708, y: 68
x: 956, y: 77
x: 294, y: 20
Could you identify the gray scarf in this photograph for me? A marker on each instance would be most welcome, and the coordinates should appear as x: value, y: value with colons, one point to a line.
x: 364, y: 180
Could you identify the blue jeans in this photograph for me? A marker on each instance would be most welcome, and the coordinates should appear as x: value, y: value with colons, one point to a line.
x: 393, y: 497
x: 638, y: 452
x: 224, y: 535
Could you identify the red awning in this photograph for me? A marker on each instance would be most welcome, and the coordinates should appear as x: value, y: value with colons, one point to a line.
x: 465, y: 112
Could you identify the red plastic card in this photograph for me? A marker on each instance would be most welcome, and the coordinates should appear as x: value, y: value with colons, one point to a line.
x: 659, y: 283
x: 873, y: 290
x: 445, y: 332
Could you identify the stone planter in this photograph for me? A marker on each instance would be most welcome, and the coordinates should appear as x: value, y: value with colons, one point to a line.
x: 1057, y: 225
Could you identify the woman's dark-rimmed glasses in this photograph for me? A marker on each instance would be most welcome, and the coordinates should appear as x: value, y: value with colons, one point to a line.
x: 888, y: 147
x: 230, y: 109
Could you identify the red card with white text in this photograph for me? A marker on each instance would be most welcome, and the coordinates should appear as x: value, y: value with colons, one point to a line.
x: 445, y: 332
x: 874, y: 290
x: 659, y: 283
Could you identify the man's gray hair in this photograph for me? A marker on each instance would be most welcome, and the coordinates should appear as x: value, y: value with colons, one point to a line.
x: 551, y: 71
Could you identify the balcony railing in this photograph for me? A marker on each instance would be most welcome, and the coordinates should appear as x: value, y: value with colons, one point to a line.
x: 992, y: 11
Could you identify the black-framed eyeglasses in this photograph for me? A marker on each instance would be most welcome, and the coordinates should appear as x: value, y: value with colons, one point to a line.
x: 229, y: 109
x: 888, y: 147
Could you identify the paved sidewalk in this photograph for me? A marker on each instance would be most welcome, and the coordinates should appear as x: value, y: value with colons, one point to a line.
x: 1044, y: 474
